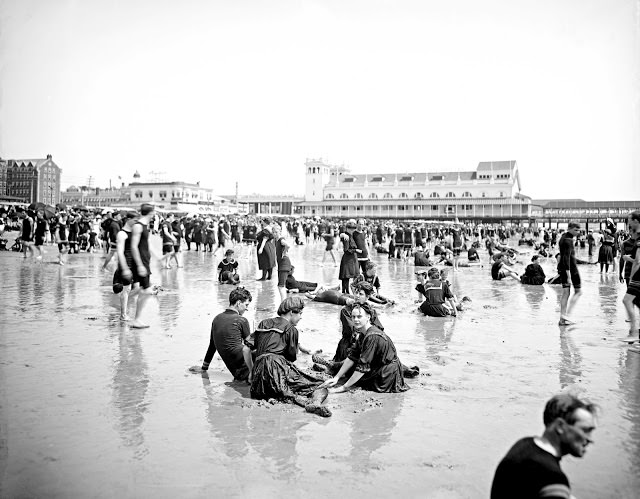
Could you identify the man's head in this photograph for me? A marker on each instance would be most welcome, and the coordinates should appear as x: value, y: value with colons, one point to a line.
x: 634, y: 220
x: 147, y: 210
x: 239, y: 299
x: 292, y: 307
x: 534, y: 259
x: 569, y: 423
x: 433, y: 273
x: 574, y: 228
x: 229, y: 254
x: 421, y: 275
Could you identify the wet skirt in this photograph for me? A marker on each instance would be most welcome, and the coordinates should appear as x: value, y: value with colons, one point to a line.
x: 605, y: 255
x: 275, y: 377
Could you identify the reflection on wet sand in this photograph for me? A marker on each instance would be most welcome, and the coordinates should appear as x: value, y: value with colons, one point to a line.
x: 372, y: 429
x: 170, y: 299
x: 629, y: 382
x: 230, y: 432
x: 570, y: 366
x: 130, y: 382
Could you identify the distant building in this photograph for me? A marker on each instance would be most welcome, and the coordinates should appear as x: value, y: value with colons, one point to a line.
x: 590, y: 214
x: 116, y: 197
x: 259, y: 204
x: 3, y: 177
x: 490, y: 193
x: 33, y: 180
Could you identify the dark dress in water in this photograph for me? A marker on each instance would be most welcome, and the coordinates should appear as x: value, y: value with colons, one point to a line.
x: 349, y: 334
x: 266, y: 260
x: 274, y: 374
x: 533, y: 274
x: 349, y: 267
x: 435, y: 293
x: 375, y: 355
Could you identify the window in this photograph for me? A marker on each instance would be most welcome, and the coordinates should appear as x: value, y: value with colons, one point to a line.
x: 434, y: 195
x: 163, y: 194
x: 434, y: 207
x: 345, y: 208
x: 329, y: 208
x: 449, y: 209
x: 436, y: 177
x: 403, y: 195
x: 501, y: 194
x: 138, y: 194
x: 450, y: 195
x: 374, y: 208
x: 377, y: 179
x: 329, y: 196
x: 357, y: 195
x: 344, y: 196
x: 373, y: 195
x: 402, y: 207
x: 466, y: 194
x: 406, y: 178
x: 388, y: 196
x: 359, y: 208
x: 150, y: 194
x: 417, y: 207
x: 418, y: 195
x: 348, y: 179
x: 484, y: 194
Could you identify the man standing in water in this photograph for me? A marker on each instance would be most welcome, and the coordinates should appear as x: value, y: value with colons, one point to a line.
x: 568, y: 271
x: 141, y: 265
x: 631, y: 261
x: 531, y: 468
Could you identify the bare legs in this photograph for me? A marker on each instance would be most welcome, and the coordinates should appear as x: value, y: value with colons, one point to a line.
x: 627, y: 301
x: 567, y: 304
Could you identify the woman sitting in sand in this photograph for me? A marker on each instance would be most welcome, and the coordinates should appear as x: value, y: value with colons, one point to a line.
x: 374, y: 359
x: 274, y: 373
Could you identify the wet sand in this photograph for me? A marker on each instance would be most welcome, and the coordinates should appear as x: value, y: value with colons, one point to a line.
x: 91, y: 408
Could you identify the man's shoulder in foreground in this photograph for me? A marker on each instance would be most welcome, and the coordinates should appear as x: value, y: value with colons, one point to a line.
x: 528, y: 471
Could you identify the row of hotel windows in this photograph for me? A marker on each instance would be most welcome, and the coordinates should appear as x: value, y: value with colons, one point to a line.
x: 163, y: 194
x: 404, y: 195
x: 417, y: 207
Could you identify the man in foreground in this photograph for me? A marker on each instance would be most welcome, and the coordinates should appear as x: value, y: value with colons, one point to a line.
x: 531, y: 468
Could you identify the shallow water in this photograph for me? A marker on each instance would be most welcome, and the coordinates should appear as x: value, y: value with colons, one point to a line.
x: 91, y: 408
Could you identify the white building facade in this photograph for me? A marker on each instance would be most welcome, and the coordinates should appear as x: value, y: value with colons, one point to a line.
x: 491, y: 192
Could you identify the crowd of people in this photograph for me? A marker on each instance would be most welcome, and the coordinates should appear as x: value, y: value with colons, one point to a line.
x: 365, y: 355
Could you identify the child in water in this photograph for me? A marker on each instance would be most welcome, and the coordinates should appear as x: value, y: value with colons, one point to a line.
x: 228, y: 269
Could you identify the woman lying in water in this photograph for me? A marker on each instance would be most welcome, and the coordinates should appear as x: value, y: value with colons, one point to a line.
x: 274, y: 373
x: 376, y: 363
x: 371, y: 278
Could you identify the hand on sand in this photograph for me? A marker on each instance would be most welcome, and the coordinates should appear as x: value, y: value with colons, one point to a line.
x: 340, y: 389
x: 329, y: 383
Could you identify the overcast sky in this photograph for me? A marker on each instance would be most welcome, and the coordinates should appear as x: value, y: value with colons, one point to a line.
x: 244, y: 91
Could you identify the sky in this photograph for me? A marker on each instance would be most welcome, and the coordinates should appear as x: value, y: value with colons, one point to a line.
x: 245, y: 90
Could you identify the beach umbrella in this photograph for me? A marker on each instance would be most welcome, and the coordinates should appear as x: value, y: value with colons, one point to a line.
x: 61, y: 207
x: 48, y: 211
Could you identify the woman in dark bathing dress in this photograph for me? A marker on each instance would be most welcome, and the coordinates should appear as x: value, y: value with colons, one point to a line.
x: 266, y: 250
x: 274, y: 373
x: 349, y: 267
x: 376, y: 362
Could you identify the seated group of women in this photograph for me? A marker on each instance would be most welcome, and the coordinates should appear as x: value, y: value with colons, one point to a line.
x: 365, y: 354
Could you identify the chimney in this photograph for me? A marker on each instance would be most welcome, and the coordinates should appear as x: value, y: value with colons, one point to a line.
x: 49, y: 156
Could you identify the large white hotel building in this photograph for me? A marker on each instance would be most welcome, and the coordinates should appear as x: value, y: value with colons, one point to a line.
x: 491, y: 192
